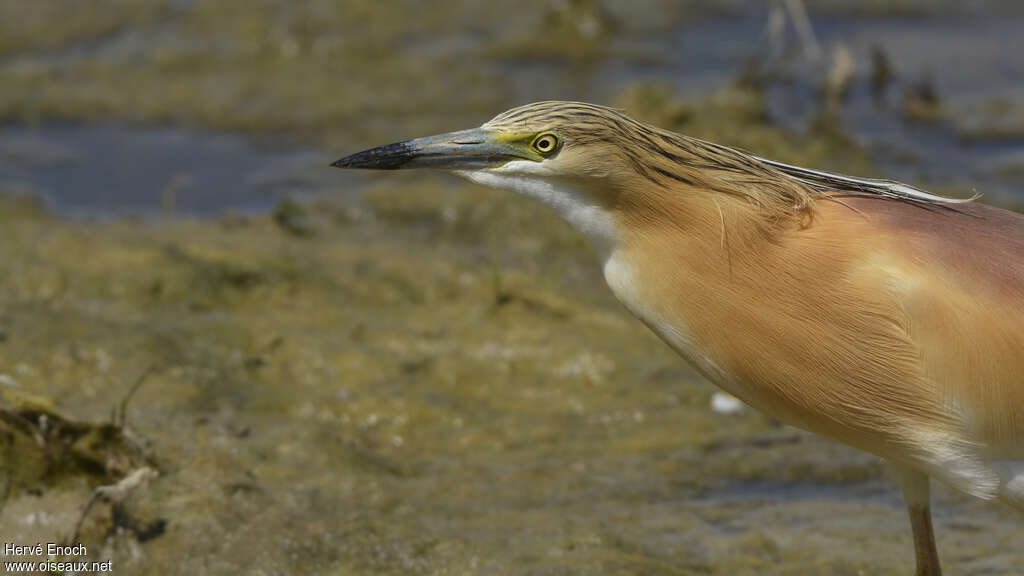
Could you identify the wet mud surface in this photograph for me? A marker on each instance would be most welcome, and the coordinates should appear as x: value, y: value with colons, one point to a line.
x: 407, y: 374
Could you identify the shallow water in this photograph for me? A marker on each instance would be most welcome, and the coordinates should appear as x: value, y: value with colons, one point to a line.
x: 974, y: 61
x: 969, y: 61
x: 117, y: 169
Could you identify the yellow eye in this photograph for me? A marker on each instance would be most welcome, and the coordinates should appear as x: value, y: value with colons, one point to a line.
x: 545, y: 143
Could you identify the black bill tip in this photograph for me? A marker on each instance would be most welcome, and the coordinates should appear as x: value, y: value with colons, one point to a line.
x: 390, y: 157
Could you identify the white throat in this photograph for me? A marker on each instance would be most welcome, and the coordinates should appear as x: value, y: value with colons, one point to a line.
x: 533, y: 180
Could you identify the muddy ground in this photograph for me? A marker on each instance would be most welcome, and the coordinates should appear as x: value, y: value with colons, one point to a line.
x: 417, y: 376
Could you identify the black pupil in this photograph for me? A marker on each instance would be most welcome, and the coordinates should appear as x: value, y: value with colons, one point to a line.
x: 544, y: 143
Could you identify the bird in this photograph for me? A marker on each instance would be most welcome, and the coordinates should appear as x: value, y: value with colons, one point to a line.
x: 865, y: 310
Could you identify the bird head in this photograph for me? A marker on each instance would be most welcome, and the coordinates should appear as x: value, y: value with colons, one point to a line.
x: 580, y: 159
x: 544, y: 141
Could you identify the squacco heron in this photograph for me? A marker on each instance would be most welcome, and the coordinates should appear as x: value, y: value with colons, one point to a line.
x: 865, y: 310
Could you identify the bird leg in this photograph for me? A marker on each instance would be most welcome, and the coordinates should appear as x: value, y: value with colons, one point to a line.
x: 917, y: 494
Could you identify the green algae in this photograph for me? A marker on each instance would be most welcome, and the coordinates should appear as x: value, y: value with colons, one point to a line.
x: 271, y: 67
x: 43, y: 446
x: 27, y: 27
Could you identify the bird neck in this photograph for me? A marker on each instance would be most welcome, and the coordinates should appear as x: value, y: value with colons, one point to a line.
x: 613, y: 214
x: 584, y: 209
x: 691, y: 262
x: 717, y: 230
